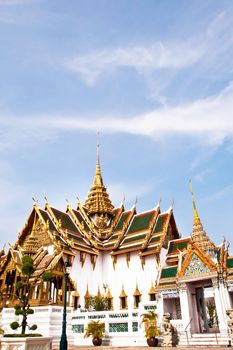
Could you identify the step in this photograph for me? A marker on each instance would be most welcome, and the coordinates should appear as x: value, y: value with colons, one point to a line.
x: 204, y: 340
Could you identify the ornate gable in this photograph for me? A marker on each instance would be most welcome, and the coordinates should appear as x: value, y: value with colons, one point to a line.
x: 195, y: 263
x: 196, y: 266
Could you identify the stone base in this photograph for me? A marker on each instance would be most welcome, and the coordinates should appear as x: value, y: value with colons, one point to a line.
x: 34, y: 343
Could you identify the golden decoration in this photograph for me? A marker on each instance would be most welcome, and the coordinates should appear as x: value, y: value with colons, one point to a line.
x: 98, y: 202
x: 127, y: 258
x: 143, y: 261
x: 114, y: 261
x: 198, y: 234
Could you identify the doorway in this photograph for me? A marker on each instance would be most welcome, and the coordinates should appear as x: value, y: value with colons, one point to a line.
x: 207, y: 319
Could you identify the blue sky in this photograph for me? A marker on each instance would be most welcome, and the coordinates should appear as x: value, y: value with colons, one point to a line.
x: 154, y: 77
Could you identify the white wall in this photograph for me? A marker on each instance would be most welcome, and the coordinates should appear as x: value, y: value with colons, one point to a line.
x: 123, y: 274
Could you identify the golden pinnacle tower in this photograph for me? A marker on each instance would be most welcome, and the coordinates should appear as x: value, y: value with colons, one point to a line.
x: 198, y: 234
x: 98, y: 204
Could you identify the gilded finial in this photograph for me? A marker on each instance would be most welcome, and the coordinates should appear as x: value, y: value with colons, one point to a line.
x: 123, y: 200
x: 98, y: 201
x: 98, y: 148
x: 198, y: 235
x: 196, y: 219
x: 136, y: 200
x: 35, y: 201
x: 46, y: 199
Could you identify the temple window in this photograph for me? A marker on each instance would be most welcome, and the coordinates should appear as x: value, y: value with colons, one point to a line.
x: 9, y: 282
x: 76, y: 298
x: 123, y: 299
x: 110, y: 300
x: 231, y: 298
x: 123, y: 302
x: 137, y: 297
x: 152, y: 293
x: 152, y: 297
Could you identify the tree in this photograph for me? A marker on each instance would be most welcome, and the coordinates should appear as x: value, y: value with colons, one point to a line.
x: 150, y: 324
x: 23, y: 290
x: 95, y: 329
x: 98, y: 303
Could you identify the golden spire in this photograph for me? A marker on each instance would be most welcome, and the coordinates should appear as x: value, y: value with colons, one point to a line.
x: 198, y: 234
x: 196, y: 219
x: 32, y: 243
x: 98, y: 178
x: 98, y: 201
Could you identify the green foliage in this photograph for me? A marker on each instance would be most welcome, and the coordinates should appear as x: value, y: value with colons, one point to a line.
x: 98, y: 303
x: 23, y: 308
x: 149, y: 320
x: 33, y: 327
x: 27, y: 269
x: 95, y: 329
x: 24, y: 299
x: 19, y: 285
x: 17, y: 307
x: 47, y: 276
x: 30, y: 311
x: 18, y: 312
x: 27, y: 259
x: 22, y: 335
x: 212, y: 314
x: 14, y: 325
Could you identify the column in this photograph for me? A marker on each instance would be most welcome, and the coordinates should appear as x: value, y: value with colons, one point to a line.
x: 220, y: 307
x: 184, y: 305
x: 160, y: 309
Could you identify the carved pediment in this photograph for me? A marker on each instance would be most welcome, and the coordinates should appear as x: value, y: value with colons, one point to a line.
x: 36, y: 238
x: 196, y: 266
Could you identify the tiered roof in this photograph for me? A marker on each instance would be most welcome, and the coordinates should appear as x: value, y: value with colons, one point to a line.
x: 98, y: 199
x: 95, y: 226
x: 194, y: 257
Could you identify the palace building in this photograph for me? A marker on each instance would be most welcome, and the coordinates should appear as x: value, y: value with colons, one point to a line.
x: 138, y: 261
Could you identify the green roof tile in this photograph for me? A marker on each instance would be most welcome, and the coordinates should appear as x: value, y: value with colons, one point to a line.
x: 134, y: 238
x: 141, y: 222
x: 159, y: 224
x: 155, y: 239
x: 81, y: 219
x: 47, y: 219
x: 120, y: 223
x: 230, y: 262
x: 177, y: 245
x: 169, y: 272
x: 66, y: 221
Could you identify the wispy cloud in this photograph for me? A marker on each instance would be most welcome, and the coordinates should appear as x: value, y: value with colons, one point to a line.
x: 223, y: 193
x: 163, y: 65
x: 209, y: 121
x: 201, y: 176
x: 91, y: 67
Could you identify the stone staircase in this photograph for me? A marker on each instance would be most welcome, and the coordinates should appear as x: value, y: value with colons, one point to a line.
x: 204, y: 340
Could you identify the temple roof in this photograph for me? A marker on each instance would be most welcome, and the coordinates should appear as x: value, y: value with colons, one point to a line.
x: 98, y: 201
x: 198, y: 234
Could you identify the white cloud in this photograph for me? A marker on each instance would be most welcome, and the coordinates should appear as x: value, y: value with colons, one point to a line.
x: 157, y: 56
x: 209, y: 121
x: 201, y: 176
x: 161, y: 64
x: 222, y: 193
